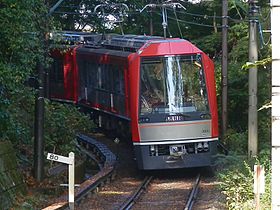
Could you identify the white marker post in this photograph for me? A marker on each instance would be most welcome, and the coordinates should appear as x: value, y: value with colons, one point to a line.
x: 70, y: 161
x: 259, y: 184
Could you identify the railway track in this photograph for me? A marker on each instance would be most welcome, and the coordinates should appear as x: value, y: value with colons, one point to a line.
x: 106, y: 161
x: 138, y: 199
x: 193, y: 194
x: 167, y: 190
x: 141, y: 189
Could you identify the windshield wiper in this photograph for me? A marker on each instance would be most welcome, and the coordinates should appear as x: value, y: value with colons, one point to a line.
x: 205, y: 115
x: 183, y: 115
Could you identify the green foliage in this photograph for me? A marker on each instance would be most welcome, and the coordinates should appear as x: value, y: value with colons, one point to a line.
x: 258, y: 63
x: 238, y: 43
x: 15, y: 105
x: 237, y: 176
x: 237, y: 180
x: 19, y: 22
x: 23, y: 26
x: 237, y: 141
x: 62, y: 123
x: 210, y: 44
x: 237, y: 186
x: 19, y: 49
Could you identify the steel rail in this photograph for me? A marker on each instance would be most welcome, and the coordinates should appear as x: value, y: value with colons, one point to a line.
x: 132, y: 199
x: 106, y: 161
x: 193, y: 193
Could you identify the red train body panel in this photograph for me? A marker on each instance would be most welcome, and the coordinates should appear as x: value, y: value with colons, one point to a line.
x: 160, y: 91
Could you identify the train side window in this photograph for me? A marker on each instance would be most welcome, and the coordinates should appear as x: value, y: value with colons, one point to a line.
x: 118, y: 80
x: 82, y: 78
x: 94, y: 72
x: 91, y: 69
x: 99, y: 76
x: 111, y: 77
x: 121, y: 71
x: 105, y: 85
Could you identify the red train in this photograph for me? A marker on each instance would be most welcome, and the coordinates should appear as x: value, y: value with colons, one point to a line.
x: 159, y: 91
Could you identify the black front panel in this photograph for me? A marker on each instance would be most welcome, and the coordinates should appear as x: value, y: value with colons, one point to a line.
x: 148, y: 160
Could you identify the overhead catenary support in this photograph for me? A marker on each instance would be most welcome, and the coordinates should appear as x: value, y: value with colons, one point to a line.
x: 275, y: 153
x: 224, y: 67
x: 101, y: 10
x: 253, y: 81
x: 163, y: 7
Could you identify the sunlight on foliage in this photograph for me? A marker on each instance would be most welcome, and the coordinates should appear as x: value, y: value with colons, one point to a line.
x: 237, y: 183
x: 262, y: 62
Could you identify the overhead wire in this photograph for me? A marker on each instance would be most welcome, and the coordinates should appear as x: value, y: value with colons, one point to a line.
x: 174, y: 10
x: 263, y: 43
x: 171, y: 18
x: 192, y: 23
x: 138, y: 4
x: 198, y: 15
x: 205, y: 16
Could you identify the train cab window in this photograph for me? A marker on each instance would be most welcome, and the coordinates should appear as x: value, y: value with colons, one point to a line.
x: 172, y: 85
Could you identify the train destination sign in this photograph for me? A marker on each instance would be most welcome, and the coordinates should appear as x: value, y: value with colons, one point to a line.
x: 60, y: 158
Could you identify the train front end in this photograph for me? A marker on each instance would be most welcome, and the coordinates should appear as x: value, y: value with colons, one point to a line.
x: 174, y: 111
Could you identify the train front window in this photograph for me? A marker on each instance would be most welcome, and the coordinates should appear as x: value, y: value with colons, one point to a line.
x: 173, y: 85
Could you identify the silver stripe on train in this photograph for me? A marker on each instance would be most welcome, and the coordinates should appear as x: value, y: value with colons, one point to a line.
x: 175, y: 131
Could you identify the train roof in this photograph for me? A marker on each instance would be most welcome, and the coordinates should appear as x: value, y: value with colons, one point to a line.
x: 128, y: 42
x: 74, y: 37
x: 125, y: 43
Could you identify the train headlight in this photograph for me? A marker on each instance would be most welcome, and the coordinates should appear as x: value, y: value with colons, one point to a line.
x: 153, y: 150
x: 199, y: 147
x: 205, y: 146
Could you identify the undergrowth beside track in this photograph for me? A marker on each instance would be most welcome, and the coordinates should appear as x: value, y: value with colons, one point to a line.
x: 236, y: 175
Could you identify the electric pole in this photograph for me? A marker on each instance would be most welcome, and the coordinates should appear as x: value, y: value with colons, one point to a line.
x: 38, y: 164
x: 39, y: 126
x: 224, y: 67
x: 253, y: 80
x: 275, y: 151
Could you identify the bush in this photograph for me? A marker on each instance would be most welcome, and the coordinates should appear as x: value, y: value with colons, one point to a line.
x: 237, y: 142
x: 62, y: 122
x: 237, y: 186
x: 237, y: 182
